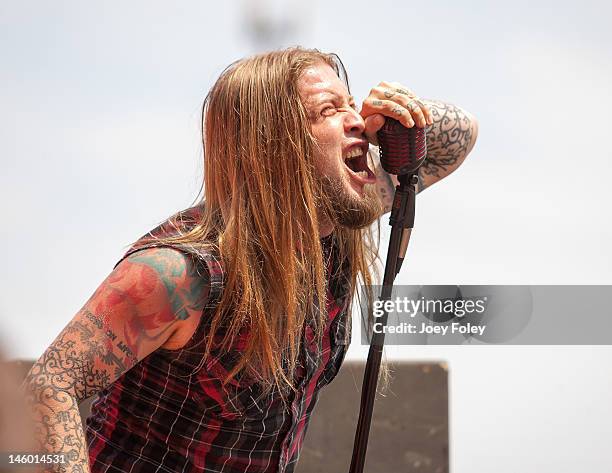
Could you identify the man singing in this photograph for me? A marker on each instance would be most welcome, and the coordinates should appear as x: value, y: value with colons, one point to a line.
x: 208, y: 343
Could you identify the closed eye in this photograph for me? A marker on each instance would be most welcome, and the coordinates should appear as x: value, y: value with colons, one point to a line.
x: 331, y: 110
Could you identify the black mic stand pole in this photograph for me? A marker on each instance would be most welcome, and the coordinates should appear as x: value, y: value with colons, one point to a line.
x: 401, y: 221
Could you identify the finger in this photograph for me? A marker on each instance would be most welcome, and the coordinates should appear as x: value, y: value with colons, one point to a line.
x: 387, y: 108
x: 393, y: 90
x: 406, y: 92
x: 417, y: 113
x: 426, y: 110
x: 400, y: 89
x: 373, y: 123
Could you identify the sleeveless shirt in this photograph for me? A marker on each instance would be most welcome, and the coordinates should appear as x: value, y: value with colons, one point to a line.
x: 171, y: 413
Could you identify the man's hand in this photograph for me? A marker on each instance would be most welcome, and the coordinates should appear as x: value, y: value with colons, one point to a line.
x: 392, y: 99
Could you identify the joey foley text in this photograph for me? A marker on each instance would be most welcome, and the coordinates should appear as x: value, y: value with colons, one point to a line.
x: 434, y: 310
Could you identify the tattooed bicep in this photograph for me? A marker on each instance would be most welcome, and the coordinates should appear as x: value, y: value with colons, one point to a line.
x: 150, y: 295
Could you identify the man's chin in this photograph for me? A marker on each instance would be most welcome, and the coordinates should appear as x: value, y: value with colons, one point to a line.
x: 356, y: 222
x: 345, y: 207
x: 358, y: 212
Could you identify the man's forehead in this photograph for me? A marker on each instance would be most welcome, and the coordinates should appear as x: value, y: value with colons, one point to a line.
x: 319, y: 82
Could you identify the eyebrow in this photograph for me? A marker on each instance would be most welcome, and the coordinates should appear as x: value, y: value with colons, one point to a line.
x: 335, y: 95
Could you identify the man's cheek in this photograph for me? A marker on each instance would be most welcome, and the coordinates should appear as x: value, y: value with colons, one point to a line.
x: 326, y: 165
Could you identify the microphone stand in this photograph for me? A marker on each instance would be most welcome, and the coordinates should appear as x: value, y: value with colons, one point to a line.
x: 402, y: 222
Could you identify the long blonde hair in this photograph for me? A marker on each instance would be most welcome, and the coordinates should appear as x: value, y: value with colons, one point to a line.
x: 260, y: 213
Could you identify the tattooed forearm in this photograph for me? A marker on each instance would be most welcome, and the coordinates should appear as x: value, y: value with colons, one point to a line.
x: 62, y: 430
x: 449, y: 140
x: 74, y: 367
x: 77, y: 362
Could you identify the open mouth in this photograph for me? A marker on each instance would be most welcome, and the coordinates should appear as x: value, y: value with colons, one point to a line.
x: 357, y: 161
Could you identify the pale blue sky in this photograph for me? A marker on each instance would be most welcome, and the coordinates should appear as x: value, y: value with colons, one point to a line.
x: 99, y: 142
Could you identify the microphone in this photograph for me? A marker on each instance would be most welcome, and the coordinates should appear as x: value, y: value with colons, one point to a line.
x: 402, y: 150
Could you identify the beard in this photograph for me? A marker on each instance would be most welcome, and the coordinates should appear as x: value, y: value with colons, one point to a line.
x: 347, y: 210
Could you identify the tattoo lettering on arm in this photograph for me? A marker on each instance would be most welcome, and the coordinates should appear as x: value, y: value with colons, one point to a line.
x: 450, y: 139
x: 147, y: 299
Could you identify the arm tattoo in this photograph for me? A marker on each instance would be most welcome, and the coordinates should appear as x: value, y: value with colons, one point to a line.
x: 449, y: 140
x: 183, y: 282
x: 129, y: 316
x: 74, y: 367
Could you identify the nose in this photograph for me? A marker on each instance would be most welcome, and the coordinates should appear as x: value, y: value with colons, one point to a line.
x: 354, y: 123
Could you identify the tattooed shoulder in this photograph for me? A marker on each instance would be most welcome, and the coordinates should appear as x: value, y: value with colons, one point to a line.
x: 184, y: 278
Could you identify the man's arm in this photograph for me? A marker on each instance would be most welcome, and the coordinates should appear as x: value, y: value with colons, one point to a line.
x: 152, y: 299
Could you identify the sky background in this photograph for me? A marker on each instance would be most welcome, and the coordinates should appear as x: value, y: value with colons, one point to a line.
x: 99, y: 142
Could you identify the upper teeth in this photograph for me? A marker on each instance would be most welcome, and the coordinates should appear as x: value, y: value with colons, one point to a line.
x: 353, y: 153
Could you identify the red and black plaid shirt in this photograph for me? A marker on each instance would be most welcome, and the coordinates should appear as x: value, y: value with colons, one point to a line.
x: 170, y: 413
